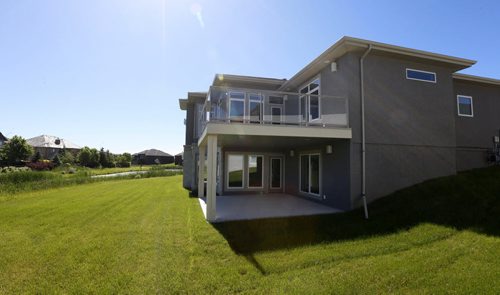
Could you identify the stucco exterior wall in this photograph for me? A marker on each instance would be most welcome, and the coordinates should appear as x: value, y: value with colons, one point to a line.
x: 475, y: 134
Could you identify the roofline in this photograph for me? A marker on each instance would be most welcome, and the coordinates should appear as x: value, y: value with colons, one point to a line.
x: 183, y: 103
x: 479, y: 79
x: 250, y: 79
x: 342, y: 46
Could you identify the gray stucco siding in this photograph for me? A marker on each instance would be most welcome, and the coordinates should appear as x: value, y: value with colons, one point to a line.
x: 475, y: 134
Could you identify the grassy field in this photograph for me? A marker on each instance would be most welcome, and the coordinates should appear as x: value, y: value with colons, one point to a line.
x: 148, y: 236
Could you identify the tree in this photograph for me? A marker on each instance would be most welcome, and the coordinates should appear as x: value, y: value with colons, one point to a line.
x: 37, y: 157
x: 15, y: 151
x: 56, y: 161
x: 124, y: 160
x: 103, y: 158
x: 88, y: 157
x: 66, y: 157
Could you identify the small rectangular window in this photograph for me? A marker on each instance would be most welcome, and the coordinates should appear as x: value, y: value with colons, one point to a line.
x: 275, y: 99
x: 464, y: 105
x: 420, y: 75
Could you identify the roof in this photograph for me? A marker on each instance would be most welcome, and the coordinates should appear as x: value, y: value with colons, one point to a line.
x: 2, y: 137
x: 180, y: 154
x: 153, y: 153
x: 348, y: 44
x: 191, y: 97
x: 472, y: 78
x: 219, y: 79
x: 51, y: 141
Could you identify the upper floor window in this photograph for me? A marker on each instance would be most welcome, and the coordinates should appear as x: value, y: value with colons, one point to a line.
x: 310, y: 107
x: 420, y: 75
x: 464, y: 105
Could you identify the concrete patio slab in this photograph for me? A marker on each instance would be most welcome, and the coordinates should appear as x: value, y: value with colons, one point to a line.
x: 257, y: 206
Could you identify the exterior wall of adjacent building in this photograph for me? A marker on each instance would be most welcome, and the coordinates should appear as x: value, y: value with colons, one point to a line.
x: 475, y: 134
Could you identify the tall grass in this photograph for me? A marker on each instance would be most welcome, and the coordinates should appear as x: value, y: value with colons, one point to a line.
x: 23, y: 181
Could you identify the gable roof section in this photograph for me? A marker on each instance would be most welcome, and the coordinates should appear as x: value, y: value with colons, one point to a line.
x: 153, y: 153
x: 50, y: 141
x: 347, y: 44
x: 2, y: 137
x: 465, y: 77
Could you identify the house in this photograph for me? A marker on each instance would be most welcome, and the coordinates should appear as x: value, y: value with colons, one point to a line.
x: 152, y: 156
x: 3, y: 139
x: 178, y: 159
x: 49, y: 146
x: 362, y: 120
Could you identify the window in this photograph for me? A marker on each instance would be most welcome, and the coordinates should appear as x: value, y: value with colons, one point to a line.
x: 235, y: 171
x: 464, y: 105
x: 275, y: 173
x: 237, y: 106
x: 255, y: 170
x: 276, y: 115
x: 255, y: 103
x: 275, y: 99
x: 310, y: 174
x: 310, y: 108
x: 420, y: 75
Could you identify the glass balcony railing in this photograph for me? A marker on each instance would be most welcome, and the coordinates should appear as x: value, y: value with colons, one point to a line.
x: 251, y: 106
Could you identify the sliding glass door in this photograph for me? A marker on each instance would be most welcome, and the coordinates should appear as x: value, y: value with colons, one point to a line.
x: 310, y: 174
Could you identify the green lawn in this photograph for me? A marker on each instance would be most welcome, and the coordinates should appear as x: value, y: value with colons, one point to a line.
x: 148, y: 236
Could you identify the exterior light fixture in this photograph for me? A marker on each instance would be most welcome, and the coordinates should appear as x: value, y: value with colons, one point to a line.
x: 329, y: 149
x: 292, y: 153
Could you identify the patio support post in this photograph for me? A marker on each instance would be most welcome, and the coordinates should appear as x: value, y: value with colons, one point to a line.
x: 211, y: 177
x: 201, y: 169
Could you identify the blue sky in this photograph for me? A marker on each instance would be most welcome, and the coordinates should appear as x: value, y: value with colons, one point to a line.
x: 108, y: 73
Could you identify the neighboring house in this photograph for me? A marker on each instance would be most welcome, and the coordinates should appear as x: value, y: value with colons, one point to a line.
x: 49, y: 146
x: 152, y: 156
x: 362, y: 120
x: 178, y: 159
x: 3, y: 139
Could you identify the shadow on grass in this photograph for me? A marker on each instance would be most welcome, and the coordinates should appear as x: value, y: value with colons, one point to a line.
x: 469, y: 200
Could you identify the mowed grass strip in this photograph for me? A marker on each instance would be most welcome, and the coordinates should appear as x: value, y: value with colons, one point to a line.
x: 149, y: 236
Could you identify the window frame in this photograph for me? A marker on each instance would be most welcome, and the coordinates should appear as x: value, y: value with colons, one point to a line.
x: 471, y: 106
x: 320, y: 174
x: 271, y: 187
x: 420, y: 71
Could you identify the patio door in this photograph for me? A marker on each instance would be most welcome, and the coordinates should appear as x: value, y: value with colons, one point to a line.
x: 275, y: 174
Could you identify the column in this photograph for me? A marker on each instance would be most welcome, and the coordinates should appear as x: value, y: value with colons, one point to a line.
x: 201, y: 168
x: 211, y: 177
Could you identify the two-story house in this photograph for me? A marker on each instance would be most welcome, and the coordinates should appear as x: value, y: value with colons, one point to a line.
x: 360, y: 121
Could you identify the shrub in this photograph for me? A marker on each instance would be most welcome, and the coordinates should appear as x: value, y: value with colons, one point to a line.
x: 11, y: 169
x: 37, y: 157
x: 56, y: 161
x: 124, y: 160
x: 43, y: 165
x: 66, y: 157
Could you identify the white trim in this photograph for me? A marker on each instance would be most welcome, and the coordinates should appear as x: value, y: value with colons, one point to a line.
x: 242, y: 172
x: 471, y: 106
x: 435, y: 75
x: 271, y: 187
x: 248, y: 171
x: 308, y: 193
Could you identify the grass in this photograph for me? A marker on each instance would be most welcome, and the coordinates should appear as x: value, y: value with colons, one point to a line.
x: 148, y: 236
x: 24, y: 181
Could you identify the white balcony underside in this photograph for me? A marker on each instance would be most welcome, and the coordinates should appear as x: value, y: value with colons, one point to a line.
x: 274, y: 130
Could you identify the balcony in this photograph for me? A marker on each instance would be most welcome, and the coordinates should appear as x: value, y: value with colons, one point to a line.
x: 250, y: 108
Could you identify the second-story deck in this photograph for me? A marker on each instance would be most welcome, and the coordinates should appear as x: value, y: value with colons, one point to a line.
x: 261, y: 112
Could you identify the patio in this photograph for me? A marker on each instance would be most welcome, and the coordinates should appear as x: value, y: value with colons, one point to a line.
x: 256, y: 206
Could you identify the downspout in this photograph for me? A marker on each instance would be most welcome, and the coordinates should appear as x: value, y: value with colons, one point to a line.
x: 363, y: 141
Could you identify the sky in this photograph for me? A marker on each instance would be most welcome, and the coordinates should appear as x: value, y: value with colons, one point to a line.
x: 109, y: 73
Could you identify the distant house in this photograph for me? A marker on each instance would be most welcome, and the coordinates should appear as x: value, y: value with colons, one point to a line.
x: 49, y: 146
x: 3, y: 139
x: 152, y: 156
x: 178, y: 158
